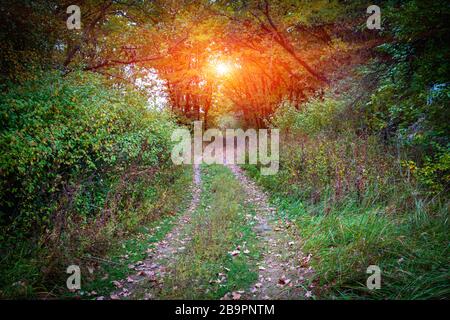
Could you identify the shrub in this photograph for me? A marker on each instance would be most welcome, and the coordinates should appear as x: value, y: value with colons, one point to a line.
x: 78, y: 159
x: 62, y: 135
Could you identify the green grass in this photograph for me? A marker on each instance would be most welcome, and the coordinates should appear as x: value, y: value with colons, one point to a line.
x: 411, y: 248
x: 219, y: 225
x: 133, y: 249
x: 167, y: 197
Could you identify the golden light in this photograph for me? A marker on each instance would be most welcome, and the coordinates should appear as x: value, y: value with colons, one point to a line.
x: 222, y: 68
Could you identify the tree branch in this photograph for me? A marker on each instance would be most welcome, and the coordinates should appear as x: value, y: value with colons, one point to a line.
x: 284, y: 42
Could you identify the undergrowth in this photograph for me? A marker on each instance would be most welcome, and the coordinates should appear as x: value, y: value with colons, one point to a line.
x: 102, y: 257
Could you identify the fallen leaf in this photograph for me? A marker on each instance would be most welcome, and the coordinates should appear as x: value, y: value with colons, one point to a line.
x: 305, y: 260
x: 225, y: 297
x: 147, y: 296
x: 284, y: 281
x: 235, y: 252
x: 235, y: 296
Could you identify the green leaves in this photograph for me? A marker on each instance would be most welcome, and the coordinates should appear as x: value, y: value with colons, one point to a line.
x: 57, y: 133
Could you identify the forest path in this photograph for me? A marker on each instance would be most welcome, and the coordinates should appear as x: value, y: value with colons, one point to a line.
x: 283, y: 271
x: 153, y: 269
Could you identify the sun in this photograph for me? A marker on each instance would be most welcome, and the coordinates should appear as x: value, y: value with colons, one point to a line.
x: 222, y: 68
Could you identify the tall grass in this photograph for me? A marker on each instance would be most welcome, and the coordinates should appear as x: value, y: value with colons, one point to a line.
x: 411, y: 248
x: 355, y: 205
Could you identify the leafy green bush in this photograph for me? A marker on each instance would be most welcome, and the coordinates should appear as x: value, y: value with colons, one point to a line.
x: 79, y: 159
x: 60, y: 133
x: 410, y: 105
x: 311, y: 119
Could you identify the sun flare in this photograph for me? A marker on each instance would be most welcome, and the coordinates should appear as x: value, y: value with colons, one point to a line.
x: 222, y: 68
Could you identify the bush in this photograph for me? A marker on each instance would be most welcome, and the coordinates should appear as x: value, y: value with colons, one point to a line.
x: 78, y: 158
x: 313, y: 117
x: 58, y: 135
x: 410, y: 104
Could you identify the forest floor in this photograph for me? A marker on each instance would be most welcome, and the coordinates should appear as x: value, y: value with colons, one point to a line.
x: 229, y: 244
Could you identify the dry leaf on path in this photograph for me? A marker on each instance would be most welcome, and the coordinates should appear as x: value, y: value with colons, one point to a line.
x: 235, y: 295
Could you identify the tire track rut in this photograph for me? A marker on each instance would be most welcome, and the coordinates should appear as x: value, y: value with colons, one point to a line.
x: 284, y: 270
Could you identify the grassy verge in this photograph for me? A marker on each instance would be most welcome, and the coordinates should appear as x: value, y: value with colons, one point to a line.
x: 175, y: 198
x: 166, y: 197
x: 206, y: 270
x: 411, y: 248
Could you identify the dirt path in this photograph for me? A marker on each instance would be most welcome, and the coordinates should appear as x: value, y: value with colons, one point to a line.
x: 150, y: 272
x: 284, y: 270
